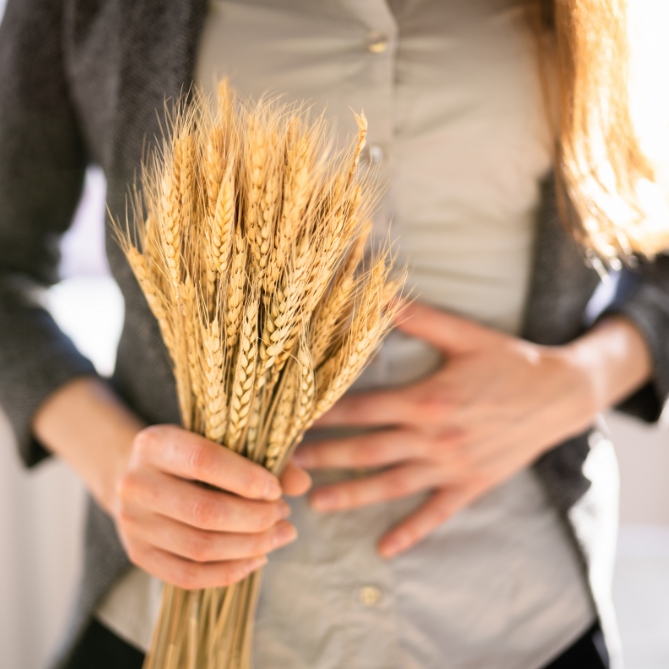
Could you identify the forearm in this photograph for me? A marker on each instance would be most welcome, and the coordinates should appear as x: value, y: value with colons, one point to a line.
x: 615, y: 358
x: 88, y: 426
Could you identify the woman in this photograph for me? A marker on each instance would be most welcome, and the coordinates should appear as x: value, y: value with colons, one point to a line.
x: 480, y: 531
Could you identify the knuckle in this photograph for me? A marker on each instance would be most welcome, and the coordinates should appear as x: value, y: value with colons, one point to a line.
x: 372, y: 453
x: 235, y: 572
x: 433, y: 405
x: 146, y: 440
x: 135, y: 554
x: 126, y: 487
x: 124, y: 518
x: 200, y: 547
x: 204, y: 511
x: 399, y: 486
x: 251, y: 483
x: 443, y: 510
x: 199, y: 459
x: 265, y: 543
x: 267, y: 516
x: 464, y: 460
x: 186, y: 577
x: 228, y: 577
x: 412, y: 533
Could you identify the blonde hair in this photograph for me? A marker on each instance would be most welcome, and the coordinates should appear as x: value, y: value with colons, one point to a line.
x: 600, y: 166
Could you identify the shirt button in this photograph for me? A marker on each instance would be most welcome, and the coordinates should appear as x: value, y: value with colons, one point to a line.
x: 375, y: 154
x: 372, y: 154
x: 376, y: 42
x: 370, y: 595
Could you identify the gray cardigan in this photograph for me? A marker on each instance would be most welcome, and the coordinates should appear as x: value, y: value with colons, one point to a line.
x: 81, y: 81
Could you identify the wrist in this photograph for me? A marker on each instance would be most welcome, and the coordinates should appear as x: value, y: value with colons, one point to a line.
x: 88, y: 426
x: 614, y: 359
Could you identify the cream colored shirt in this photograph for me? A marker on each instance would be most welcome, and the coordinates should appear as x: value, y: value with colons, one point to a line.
x: 458, y: 132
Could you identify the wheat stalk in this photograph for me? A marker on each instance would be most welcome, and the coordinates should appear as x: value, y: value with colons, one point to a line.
x: 251, y: 233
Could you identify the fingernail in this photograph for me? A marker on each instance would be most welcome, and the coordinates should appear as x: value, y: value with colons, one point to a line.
x: 272, y: 490
x: 284, y: 535
x: 284, y: 509
x: 390, y: 547
x: 324, y: 500
x: 255, y: 563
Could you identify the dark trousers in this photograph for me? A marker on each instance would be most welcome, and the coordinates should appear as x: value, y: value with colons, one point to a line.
x: 99, y: 648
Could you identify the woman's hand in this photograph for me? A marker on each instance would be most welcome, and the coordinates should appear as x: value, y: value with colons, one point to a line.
x: 188, y: 534
x: 149, y: 480
x: 496, y: 405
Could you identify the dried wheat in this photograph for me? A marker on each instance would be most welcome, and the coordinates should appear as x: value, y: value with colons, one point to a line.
x: 236, y: 292
x: 242, y: 388
x: 251, y: 238
x: 216, y: 405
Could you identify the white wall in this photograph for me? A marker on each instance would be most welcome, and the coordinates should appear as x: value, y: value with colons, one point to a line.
x: 643, y: 453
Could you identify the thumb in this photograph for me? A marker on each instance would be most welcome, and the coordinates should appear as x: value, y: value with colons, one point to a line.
x: 449, y: 333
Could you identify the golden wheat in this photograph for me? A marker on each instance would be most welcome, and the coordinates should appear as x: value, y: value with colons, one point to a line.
x: 251, y: 236
x: 241, y: 397
x: 236, y: 286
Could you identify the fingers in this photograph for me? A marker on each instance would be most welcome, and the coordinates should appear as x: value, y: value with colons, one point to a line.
x: 447, y: 332
x: 204, y: 546
x: 193, y: 576
x: 390, y: 484
x: 384, y: 407
x: 374, y: 449
x: 294, y: 480
x: 194, y: 505
x: 189, y: 456
x: 438, y: 509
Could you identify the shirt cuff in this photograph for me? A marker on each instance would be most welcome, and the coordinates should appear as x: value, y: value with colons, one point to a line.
x: 644, y: 300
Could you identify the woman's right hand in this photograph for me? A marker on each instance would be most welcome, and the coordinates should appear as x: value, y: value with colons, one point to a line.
x: 188, y: 534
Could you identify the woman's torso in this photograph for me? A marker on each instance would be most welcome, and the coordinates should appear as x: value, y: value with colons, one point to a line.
x: 458, y: 134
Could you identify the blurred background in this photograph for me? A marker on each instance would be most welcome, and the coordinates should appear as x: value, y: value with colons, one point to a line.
x: 41, y: 511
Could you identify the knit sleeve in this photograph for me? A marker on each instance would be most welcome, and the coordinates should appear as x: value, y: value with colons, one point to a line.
x: 42, y: 165
x: 643, y: 298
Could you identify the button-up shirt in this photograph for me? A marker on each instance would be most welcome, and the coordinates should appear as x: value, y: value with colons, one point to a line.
x: 458, y: 134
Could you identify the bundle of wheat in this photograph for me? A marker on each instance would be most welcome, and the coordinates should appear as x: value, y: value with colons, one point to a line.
x: 247, y: 240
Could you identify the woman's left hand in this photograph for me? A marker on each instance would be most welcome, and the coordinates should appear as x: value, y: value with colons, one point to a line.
x: 494, y: 407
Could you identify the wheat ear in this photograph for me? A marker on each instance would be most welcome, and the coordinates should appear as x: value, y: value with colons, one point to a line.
x: 214, y: 165
x: 170, y: 217
x: 281, y: 317
x: 362, y: 135
x: 255, y: 157
x: 282, y: 416
x: 190, y: 320
x: 187, y: 183
x: 154, y: 298
x: 296, y: 189
x: 236, y: 291
x: 331, y: 314
x: 223, y: 224
x: 369, y: 324
x: 243, y: 385
x: 214, y: 373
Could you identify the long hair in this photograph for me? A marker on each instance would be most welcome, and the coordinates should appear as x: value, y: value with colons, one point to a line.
x: 601, y: 170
